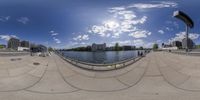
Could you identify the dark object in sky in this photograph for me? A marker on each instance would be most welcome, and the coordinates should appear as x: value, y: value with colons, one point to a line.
x: 184, y: 17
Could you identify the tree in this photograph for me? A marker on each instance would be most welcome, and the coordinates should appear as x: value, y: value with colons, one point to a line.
x: 141, y: 48
x: 50, y: 49
x: 117, y: 46
x: 155, y: 46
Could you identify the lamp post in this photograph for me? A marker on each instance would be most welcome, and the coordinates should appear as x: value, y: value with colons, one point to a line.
x: 187, y: 20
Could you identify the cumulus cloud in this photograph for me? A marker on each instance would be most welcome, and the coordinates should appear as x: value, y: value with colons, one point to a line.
x: 53, y: 33
x: 23, y: 20
x: 56, y: 40
x: 127, y: 21
x: 81, y: 37
x: 7, y: 37
x: 4, y: 18
x: 123, y: 21
x: 126, y: 42
x: 173, y: 24
x: 181, y: 35
x: 136, y: 42
x: 161, y: 31
x: 140, y: 34
x: 162, y: 4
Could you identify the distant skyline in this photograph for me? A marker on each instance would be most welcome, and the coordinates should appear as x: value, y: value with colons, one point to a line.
x: 73, y: 23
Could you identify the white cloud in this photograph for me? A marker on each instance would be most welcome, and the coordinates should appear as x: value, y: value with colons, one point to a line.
x: 114, y: 29
x: 72, y: 44
x: 126, y: 42
x: 173, y: 23
x: 81, y: 37
x: 194, y: 36
x: 123, y: 21
x: 138, y: 42
x: 169, y: 29
x: 4, y: 18
x: 7, y: 37
x: 117, y: 9
x: 140, y: 34
x: 23, y: 20
x: 56, y: 40
x: 181, y: 35
x: 162, y: 4
x: 161, y: 31
x: 53, y: 33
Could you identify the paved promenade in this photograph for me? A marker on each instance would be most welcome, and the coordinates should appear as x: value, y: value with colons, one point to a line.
x: 158, y: 76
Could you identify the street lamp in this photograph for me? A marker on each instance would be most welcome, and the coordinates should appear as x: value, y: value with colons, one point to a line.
x: 187, y: 20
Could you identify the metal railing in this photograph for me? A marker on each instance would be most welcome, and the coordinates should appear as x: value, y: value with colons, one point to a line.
x: 191, y: 53
x: 4, y: 54
x: 100, y: 67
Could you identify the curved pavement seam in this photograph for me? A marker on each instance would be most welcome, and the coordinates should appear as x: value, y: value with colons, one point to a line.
x: 165, y: 79
x: 30, y: 85
x: 86, y: 89
x: 101, y: 77
x: 40, y: 92
x: 174, y: 68
x: 94, y: 71
x: 177, y: 62
x: 14, y: 90
x: 143, y: 75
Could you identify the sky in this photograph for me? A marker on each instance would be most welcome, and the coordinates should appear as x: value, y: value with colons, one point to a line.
x: 73, y: 23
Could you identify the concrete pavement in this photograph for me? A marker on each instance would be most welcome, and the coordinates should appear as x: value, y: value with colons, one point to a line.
x: 159, y: 75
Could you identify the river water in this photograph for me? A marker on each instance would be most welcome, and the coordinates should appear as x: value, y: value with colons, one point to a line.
x: 101, y: 57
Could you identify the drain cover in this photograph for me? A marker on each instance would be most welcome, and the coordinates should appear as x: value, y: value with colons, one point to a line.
x: 36, y: 63
x: 15, y: 59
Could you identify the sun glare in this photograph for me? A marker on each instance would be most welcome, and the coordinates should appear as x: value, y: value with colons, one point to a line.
x: 111, y: 24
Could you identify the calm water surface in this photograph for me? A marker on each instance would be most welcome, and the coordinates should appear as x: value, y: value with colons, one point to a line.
x: 101, y: 57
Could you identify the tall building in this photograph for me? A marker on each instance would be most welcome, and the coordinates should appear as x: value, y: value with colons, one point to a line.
x: 24, y: 44
x: 177, y: 44
x: 127, y: 47
x: 98, y: 47
x: 38, y: 48
x: 13, y: 43
x: 190, y: 43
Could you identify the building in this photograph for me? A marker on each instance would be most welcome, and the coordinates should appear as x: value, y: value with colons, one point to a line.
x: 172, y: 46
x: 22, y: 49
x: 127, y: 47
x: 13, y: 43
x: 98, y: 47
x: 190, y: 43
x: 24, y: 44
x: 177, y: 44
x: 38, y: 48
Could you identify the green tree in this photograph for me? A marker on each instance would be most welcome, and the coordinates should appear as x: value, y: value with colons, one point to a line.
x: 197, y: 46
x: 155, y: 46
x: 141, y: 48
x: 50, y: 49
x: 1, y: 46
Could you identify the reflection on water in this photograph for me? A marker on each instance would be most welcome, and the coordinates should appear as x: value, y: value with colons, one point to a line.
x: 101, y: 57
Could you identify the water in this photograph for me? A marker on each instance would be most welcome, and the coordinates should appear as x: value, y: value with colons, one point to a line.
x: 101, y: 57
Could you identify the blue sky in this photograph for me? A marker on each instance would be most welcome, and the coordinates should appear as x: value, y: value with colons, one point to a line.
x: 72, y: 23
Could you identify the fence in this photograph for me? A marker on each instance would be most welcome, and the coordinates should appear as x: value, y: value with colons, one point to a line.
x: 101, y: 67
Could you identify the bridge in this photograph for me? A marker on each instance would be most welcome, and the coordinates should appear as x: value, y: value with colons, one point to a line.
x: 157, y: 76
